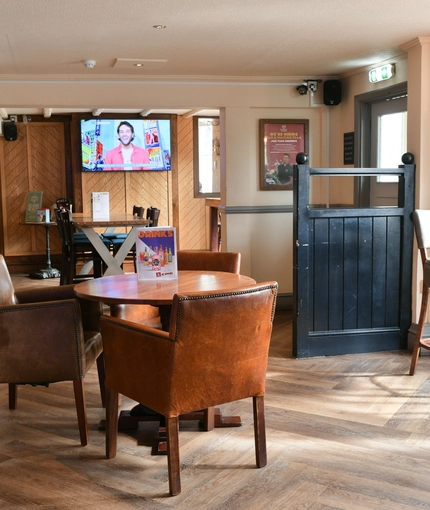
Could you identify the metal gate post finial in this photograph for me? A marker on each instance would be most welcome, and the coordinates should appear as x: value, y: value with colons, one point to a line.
x: 302, y: 158
x: 408, y: 158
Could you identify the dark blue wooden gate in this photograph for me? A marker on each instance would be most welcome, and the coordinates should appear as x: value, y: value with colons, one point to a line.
x: 352, y: 269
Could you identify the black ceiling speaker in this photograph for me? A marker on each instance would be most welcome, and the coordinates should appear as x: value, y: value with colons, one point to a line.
x: 332, y: 92
x: 10, y: 131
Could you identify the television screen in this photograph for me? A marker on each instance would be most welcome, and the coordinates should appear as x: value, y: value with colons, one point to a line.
x: 125, y: 144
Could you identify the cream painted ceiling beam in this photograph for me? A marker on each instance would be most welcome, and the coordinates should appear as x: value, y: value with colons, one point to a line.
x: 144, y: 113
x: 191, y: 113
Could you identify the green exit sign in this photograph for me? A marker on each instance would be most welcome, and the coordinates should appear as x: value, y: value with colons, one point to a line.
x: 382, y: 73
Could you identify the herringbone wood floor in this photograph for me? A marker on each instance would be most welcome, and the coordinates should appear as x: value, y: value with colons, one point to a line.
x: 347, y: 432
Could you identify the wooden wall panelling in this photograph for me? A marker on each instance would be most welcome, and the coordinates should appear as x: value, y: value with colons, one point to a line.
x: 193, y: 219
x: 35, y: 161
x: 150, y: 189
x: 112, y: 182
x: 17, y: 237
x: 47, y: 171
x: 127, y: 189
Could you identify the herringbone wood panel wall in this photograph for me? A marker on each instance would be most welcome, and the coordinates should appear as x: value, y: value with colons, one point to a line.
x: 144, y: 189
x: 193, y: 220
x: 35, y: 161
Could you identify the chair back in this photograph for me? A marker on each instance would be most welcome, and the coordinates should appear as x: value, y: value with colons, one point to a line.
x: 194, y: 260
x: 221, y: 346
x: 152, y: 213
x: 138, y: 211
x: 421, y: 220
x: 67, y: 226
x: 63, y: 203
x: 60, y: 226
x: 7, y: 292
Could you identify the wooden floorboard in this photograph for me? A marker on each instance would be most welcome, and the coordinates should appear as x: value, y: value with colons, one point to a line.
x: 345, y: 432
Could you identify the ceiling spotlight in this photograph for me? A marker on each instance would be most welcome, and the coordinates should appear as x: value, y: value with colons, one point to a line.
x: 302, y: 89
x: 89, y: 63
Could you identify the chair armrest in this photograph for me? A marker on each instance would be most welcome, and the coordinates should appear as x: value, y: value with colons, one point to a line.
x: 41, y: 294
x: 131, y: 349
x: 41, y: 342
x: 91, y: 310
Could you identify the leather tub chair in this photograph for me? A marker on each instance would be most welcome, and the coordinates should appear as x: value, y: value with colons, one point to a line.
x: 49, y: 335
x: 421, y: 218
x: 215, y: 352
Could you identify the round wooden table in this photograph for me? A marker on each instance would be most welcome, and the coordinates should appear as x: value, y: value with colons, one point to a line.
x: 127, y: 289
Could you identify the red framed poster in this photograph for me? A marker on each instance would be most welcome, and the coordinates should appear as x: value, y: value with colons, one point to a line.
x: 280, y: 142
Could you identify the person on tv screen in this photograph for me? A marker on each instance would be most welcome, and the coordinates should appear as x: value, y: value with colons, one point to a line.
x: 126, y: 156
x: 99, y: 163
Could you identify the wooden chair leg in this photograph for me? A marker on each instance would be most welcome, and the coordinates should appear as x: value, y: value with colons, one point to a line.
x: 97, y: 265
x: 102, y: 377
x: 173, y: 464
x: 78, y: 387
x: 111, y: 423
x: 420, y: 330
x: 13, y: 395
x: 259, y: 431
x: 209, y: 418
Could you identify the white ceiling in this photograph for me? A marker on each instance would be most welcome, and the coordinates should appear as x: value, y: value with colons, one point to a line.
x: 245, y: 40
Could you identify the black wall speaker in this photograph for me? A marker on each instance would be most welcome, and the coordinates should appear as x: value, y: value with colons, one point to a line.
x: 332, y: 92
x: 10, y: 131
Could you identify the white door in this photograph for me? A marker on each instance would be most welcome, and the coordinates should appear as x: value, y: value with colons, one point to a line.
x: 388, y: 144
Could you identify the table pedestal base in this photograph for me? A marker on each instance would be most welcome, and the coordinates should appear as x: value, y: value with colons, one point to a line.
x: 42, y: 274
x: 129, y: 421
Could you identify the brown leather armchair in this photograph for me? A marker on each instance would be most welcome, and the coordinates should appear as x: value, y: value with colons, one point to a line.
x: 194, y: 260
x: 48, y: 335
x: 215, y: 352
x: 421, y: 218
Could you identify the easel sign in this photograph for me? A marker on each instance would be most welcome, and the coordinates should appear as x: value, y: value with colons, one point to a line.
x: 156, y: 253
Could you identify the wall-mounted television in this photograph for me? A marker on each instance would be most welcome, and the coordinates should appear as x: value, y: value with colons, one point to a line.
x: 125, y: 144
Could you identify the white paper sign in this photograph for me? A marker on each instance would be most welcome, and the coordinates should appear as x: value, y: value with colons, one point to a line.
x: 100, y: 205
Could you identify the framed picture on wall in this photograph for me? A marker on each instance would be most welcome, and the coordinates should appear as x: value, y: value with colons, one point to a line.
x: 280, y: 141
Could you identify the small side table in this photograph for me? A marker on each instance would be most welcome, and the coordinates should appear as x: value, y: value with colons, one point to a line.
x: 49, y: 271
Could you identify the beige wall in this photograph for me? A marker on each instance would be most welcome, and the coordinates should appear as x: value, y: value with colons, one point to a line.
x: 265, y: 240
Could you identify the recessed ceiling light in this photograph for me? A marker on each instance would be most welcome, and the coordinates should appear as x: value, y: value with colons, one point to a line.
x: 148, y: 64
x: 159, y: 27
